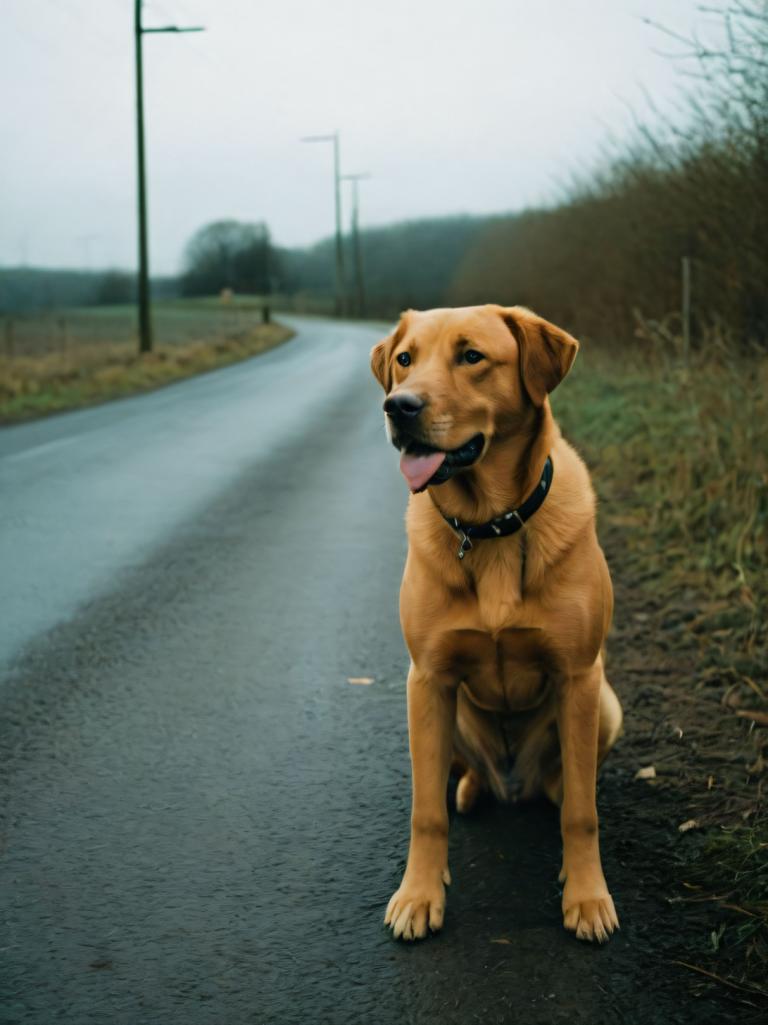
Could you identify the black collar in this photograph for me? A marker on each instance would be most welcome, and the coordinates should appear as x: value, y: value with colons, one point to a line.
x: 508, y: 523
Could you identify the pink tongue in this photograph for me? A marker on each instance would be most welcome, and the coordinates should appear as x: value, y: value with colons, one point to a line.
x: 417, y: 470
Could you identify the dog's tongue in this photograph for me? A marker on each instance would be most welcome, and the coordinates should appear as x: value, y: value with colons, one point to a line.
x: 417, y: 470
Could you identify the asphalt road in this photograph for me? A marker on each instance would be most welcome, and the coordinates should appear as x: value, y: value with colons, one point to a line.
x: 202, y: 819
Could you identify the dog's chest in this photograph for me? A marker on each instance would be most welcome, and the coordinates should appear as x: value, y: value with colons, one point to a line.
x: 498, y: 587
x: 503, y: 656
x: 503, y: 672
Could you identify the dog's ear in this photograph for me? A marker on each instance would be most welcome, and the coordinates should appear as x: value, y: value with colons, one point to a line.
x: 380, y: 363
x: 381, y: 354
x: 546, y: 352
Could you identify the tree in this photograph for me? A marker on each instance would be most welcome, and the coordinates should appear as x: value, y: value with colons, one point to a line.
x: 115, y: 287
x: 229, y: 254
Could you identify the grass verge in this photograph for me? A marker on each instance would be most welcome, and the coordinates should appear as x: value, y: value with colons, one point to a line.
x: 52, y: 382
x: 679, y: 454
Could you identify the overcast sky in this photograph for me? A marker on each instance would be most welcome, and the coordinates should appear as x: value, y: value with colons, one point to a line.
x: 477, y: 106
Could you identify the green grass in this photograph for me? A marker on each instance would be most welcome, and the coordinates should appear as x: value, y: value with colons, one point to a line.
x: 683, y: 453
x: 734, y: 865
x: 679, y: 458
x: 176, y: 321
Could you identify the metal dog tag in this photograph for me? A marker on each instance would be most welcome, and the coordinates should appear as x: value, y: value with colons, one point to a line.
x: 465, y: 545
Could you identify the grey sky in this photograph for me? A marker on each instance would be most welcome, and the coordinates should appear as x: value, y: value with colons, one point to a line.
x: 478, y: 107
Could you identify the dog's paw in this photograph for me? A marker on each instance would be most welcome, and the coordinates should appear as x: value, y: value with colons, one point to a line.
x: 592, y: 919
x: 417, y: 906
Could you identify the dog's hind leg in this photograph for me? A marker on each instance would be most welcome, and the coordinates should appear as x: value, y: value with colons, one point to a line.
x: 541, y: 755
x: 469, y: 788
x: 611, y: 719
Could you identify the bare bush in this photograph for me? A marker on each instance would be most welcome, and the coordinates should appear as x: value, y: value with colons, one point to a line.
x: 697, y: 190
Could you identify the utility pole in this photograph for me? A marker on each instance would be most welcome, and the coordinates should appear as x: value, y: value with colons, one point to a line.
x: 340, y: 302
x: 145, y: 316
x: 356, y: 250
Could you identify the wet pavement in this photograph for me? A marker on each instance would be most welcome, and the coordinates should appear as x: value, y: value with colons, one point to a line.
x: 202, y: 819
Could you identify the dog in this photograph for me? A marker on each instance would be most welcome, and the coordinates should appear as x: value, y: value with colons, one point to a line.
x: 506, y: 598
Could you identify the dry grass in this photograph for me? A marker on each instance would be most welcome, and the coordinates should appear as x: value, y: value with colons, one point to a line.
x: 83, y: 374
x: 681, y: 452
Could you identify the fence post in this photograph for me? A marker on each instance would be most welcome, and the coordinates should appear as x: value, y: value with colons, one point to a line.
x: 63, y: 339
x: 9, y: 346
x: 686, y: 308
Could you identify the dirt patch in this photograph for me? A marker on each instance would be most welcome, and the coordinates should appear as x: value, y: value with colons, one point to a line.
x: 689, y: 833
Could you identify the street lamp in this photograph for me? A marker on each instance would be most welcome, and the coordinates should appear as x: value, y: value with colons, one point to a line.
x: 357, y: 253
x: 334, y: 138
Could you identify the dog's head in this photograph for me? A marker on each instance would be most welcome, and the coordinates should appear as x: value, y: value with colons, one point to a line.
x: 459, y: 380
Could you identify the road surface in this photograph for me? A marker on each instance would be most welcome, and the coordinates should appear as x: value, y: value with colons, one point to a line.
x: 202, y: 819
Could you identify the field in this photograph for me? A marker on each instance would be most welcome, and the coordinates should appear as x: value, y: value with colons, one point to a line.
x: 679, y: 456
x: 177, y: 321
x: 68, y: 358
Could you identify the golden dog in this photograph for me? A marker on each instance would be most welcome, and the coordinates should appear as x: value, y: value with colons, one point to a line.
x: 506, y: 598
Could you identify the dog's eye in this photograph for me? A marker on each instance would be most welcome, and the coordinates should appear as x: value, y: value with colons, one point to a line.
x: 472, y: 356
x: 404, y: 359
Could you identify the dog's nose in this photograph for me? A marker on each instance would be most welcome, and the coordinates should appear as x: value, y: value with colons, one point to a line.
x: 404, y: 404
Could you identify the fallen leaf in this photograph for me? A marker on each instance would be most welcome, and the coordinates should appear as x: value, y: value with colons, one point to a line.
x: 364, y: 681
x: 502, y: 940
x: 731, y: 698
x: 647, y: 772
x: 689, y: 824
x: 750, y: 713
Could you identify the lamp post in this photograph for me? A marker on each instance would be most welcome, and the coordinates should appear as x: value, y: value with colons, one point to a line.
x: 360, y: 304
x: 340, y: 303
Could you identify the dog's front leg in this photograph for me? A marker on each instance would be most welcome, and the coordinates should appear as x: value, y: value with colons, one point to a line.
x: 419, y: 903
x: 587, y: 905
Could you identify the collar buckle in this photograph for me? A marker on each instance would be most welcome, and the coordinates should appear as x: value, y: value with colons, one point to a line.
x: 465, y: 542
